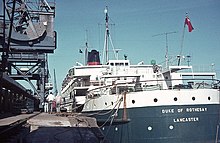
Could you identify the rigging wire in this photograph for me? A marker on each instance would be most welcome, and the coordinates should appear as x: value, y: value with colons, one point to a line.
x: 112, y: 115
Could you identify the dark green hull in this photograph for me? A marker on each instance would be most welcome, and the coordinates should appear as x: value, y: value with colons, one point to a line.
x: 162, y: 124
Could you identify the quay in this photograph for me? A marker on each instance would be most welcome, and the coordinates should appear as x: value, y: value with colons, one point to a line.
x: 52, y: 128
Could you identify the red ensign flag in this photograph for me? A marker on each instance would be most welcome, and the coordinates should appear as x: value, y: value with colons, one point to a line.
x: 187, y: 22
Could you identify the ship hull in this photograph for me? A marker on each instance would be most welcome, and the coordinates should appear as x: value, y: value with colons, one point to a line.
x: 163, y: 124
x: 162, y: 116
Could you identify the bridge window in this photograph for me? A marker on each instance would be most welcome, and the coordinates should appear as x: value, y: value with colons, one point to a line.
x: 117, y: 64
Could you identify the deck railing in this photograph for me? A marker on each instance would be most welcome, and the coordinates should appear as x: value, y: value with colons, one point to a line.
x: 195, y: 83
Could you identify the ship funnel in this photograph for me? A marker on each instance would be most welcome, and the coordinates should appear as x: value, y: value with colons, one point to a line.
x: 93, y: 58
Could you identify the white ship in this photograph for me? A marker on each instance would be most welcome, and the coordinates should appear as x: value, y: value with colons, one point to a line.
x: 146, y: 103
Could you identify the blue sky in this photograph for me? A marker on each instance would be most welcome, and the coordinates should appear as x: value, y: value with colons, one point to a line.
x: 133, y: 25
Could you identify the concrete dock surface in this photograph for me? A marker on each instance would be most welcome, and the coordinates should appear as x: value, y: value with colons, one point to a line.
x: 52, y: 128
x: 11, y: 119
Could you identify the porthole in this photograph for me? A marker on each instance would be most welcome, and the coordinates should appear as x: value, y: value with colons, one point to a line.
x: 171, y: 127
x: 193, y: 98
x: 112, y: 103
x: 155, y: 99
x: 133, y: 101
x: 149, y: 128
x: 103, y: 128
x: 209, y: 98
x: 106, y: 103
x: 175, y: 99
x: 116, y: 128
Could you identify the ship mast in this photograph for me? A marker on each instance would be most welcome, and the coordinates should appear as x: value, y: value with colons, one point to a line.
x: 86, y: 49
x: 106, y: 33
x: 108, y: 39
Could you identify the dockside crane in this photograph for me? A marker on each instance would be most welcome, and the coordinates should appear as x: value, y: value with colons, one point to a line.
x: 28, y: 28
x: 55, y: 84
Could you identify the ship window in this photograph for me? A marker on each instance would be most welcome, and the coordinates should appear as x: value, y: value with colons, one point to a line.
x: 126, y: 64
x: 175, y: 99
x: 133, y: 101
x: 158, y: 76
x: 209, y: 98
x: 171, y: 127
x: 70, y: 95
x: 117, y: 64
x: 64, y: 100
x: 155, y: 99
x: 106, y: 103
x: 112, y: 64
x: 149, y: 128
x: 193, y: 98
x: 112, y: 103
x: 116, y: 128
